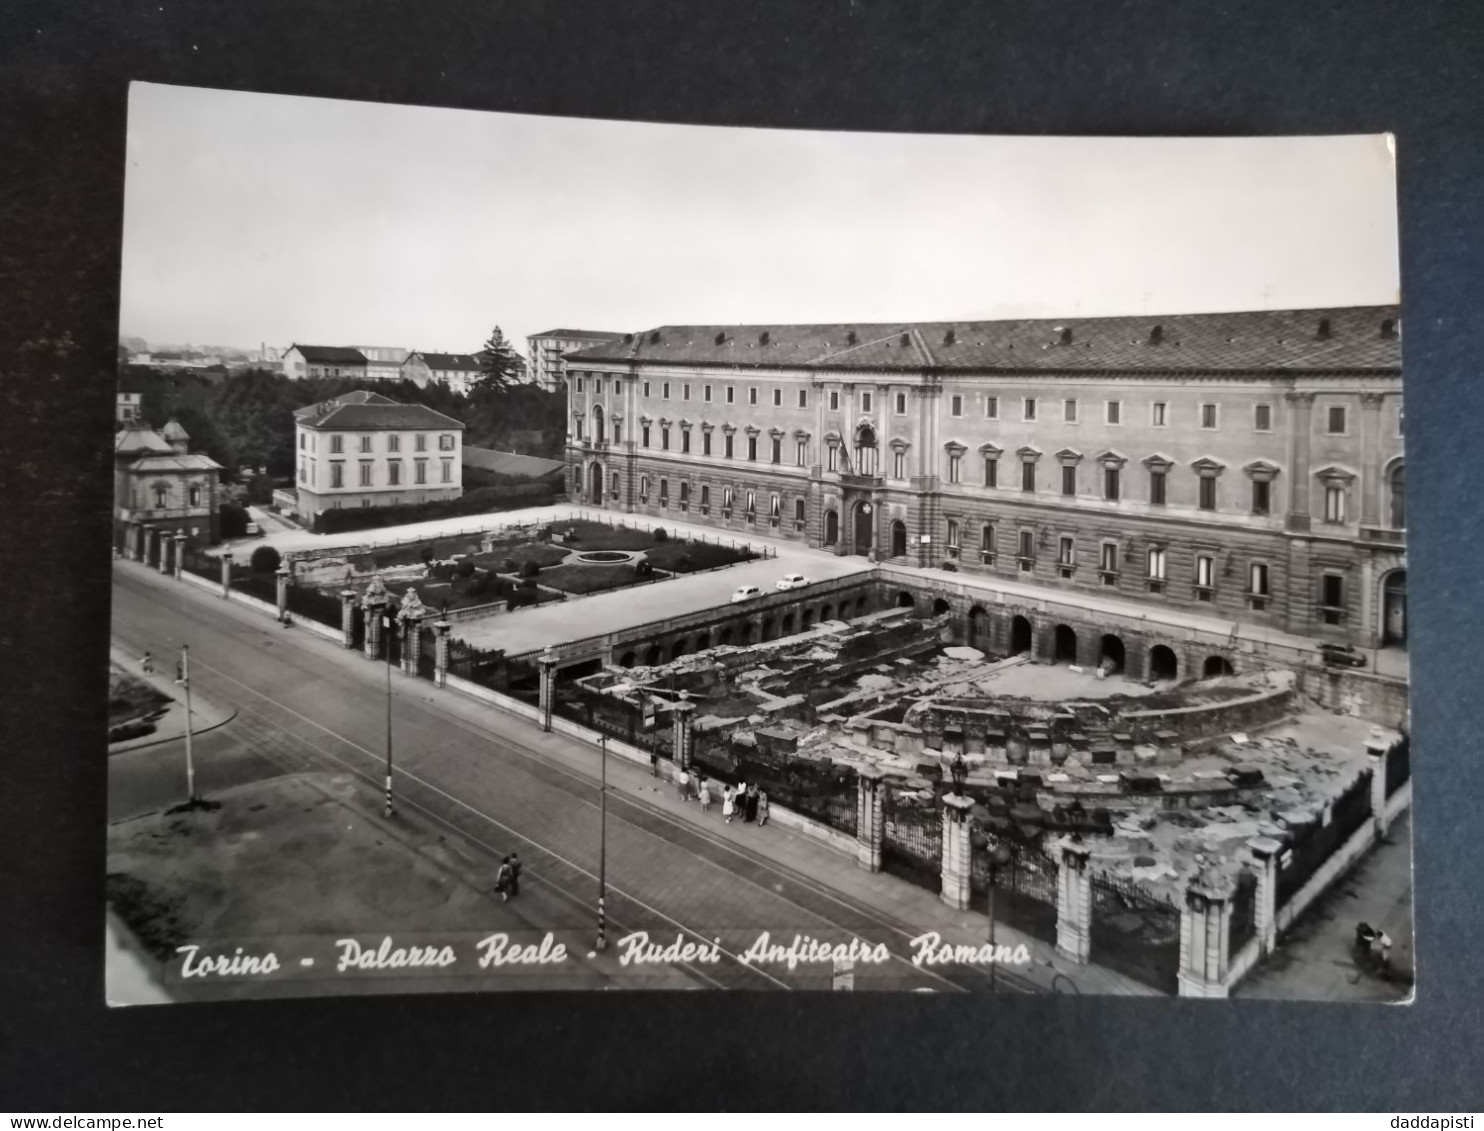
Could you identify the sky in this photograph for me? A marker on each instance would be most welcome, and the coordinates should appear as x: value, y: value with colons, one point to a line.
x: 254, y: 218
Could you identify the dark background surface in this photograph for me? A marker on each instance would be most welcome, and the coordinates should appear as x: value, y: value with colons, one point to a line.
x: 1050, y: 66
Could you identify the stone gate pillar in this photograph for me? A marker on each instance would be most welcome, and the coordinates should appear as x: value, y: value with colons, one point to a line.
x: 684, y: 715
x: 180, y: 541
x: 869, y: 820
x: 440, y: 652
x: 348, y: 618
x: 1376, y: 754
x: 375, y: 604
x: 147, y: 545
x: 1265, y: 853
x: 547, y: 662
x: 283, y: 594
x: 164, y: 560
x: 1074, y: 902
x: 411, y: 621
x: 1204, y: 932
x: 956, y: 861
x: 227, y: 574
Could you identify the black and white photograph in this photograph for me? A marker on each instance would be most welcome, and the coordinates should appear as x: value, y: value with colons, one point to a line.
x: 571, y: 554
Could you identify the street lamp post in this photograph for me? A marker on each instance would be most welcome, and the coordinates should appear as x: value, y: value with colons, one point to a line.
x: 603, y: 843
x: 183, y: 677
x: 386, y: 648
x: 999, y: 856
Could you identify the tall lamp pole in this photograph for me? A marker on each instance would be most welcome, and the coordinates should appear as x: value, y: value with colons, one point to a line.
x: 183, y: 677
x: 603, y: 843
x: 386, y: 647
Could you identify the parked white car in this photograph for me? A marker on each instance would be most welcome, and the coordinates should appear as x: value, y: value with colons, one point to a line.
x: 746, y: 593
x: 792, y: 581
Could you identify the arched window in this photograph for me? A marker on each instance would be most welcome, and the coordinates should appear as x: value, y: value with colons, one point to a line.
x: 865, y: 450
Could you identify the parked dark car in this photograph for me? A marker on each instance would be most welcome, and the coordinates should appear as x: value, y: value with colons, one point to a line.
x: 1341, y: 655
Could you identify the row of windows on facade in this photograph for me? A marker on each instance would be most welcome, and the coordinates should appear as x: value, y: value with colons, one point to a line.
x: 1336, y: 496
x: 367, y: 477
x: 1156, y: 576
x: 162, y: 496
x: 447, y: 442
x: 1337, y: 417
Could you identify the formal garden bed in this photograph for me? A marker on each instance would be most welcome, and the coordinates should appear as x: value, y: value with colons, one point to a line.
x: 593, y: 578
x: 672, y: 555
x: 133, y: 706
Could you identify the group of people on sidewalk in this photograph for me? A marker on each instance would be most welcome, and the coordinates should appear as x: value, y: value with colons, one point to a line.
x: 744, y: 800
x: 507, y: 880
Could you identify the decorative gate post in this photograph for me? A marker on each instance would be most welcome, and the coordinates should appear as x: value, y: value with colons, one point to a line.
x: 1074, y: 902
x: 683, y: 715
x: 1203, y: 940
x: 411, y: 616
x: 283, y: 594
x: 227, y: 574
x: 1376, y: 753
x: 547, y: 662
x: 955, y: 872
x: 180, y: 540
x: 869, y: 822
x: 374, y: 603
x: 348, y: 618
x: 1265, y: 852
x: 440, y: 652
x: 147, y: 545
x: 164, y: 561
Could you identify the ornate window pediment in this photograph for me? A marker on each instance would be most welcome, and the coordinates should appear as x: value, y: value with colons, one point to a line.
x: 1336, y: 476
x: 990, y: 449
x: 953, y: 447
x: 729, y: 428
x: 1261, y: 471
x: 800, y: 434
x: 1029, y: 454
x: 777, y: 433
x: 616, y: 417
x: 646, y: 420
x: 753, y: 429
x: 832, y: 438
x: 707, y: 426
x: 1207, y: 466
x: 1112, y: 459
x: 664, y: 423
x: 1158, y: 462
x: 1069, y: 457
x: 898, y: 444
x: 685, y: 424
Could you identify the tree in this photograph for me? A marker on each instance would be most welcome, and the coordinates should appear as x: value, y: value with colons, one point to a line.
x: 265, y: 559
x: 499, y: 366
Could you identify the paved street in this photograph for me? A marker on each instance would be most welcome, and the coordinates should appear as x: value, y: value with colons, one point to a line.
x: 498, y: 783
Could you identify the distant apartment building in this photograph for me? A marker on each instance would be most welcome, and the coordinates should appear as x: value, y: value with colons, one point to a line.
x: 545, y: 366
x: 130, y: 407
x: 384, y: 363
x: 457, y: 371
x: 306, y: 362
x: 367, y: 450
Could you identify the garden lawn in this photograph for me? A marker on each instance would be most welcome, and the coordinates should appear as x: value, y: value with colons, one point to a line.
x: 589, y: 578
x: 540, y: 552
x: 664, y: 555
x: 130, y: 698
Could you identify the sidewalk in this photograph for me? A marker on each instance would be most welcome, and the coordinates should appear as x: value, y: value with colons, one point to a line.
x: 205, y: 715
x: 1314, y: 961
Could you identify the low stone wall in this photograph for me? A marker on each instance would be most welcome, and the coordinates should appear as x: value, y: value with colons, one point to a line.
x: 1208, y: 720
x: 1362, y: 695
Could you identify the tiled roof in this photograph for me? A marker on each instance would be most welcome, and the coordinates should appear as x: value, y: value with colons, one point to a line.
x: 142, y: 440
x: 371, y: 417
x: 360, y: 396
x: 511, y: 463
x: 191, y: 462
x: 464, y: 361
x: 582, y: 335
x: 1345, y: 338
x: 331, y: 355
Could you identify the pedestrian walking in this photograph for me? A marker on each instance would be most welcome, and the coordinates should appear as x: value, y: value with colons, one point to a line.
x: 514, y: 874
x: 502, y: 880
x: 703, y: 791
x: 728, y: 803
x: 682, y: 782
x: 654, y: 764
x: 147, y: 663
x: 751, y: 813
x: 762, y: 808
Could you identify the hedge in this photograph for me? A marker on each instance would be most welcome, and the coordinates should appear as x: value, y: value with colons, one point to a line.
x: 479, y: 501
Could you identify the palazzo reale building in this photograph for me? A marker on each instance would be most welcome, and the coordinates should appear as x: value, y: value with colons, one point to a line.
x: 1244, y: 466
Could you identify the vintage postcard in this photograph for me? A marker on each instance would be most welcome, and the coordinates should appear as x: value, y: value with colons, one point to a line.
x: 566, y: 554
